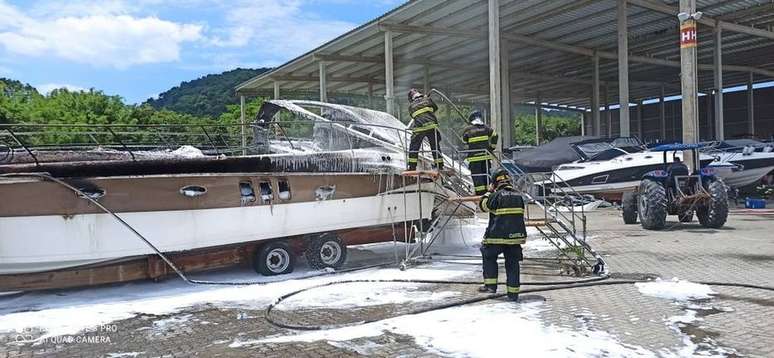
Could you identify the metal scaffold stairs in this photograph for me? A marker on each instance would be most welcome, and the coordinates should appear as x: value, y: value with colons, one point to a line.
x: 557, y: 219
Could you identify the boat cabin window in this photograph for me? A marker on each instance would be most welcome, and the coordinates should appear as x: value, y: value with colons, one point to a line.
x: 193, y: 191
x: 608, y: 154
x: 284, y: 189
x: 267, y: 194
x: 246, y: 192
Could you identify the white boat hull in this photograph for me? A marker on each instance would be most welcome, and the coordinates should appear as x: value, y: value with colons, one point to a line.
x: 41, y: 243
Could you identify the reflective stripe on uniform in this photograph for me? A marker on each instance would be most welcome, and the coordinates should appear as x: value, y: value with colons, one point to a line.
x: 496, y: 241
x: 509, y: 211
x: 478, y: 158
x: 480, y: 187
x: 413, y: 160
x: 513, y: 289
x: 490, y: 281
x: 483, y: 203
x: 481, y: 138
x: 425, y: 128
x: 421, y: 110
x: 439, y: 160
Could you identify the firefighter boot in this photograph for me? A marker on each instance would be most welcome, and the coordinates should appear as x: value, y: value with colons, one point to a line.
x: 514, y: 297
x: 487, y: 289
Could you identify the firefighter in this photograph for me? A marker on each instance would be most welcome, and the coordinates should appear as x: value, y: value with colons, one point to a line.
x: 422, y: 110
x: 504, y: 235
x: 481, y: 141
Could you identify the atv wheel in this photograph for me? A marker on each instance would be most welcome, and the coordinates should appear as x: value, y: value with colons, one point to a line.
x: 326, y: 251
x: 651, y: 205
x: 715, y: 213
x: 629, y: 207
x: 686, y: 217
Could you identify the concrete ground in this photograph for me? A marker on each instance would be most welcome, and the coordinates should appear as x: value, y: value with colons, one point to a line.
x: 735, y: 322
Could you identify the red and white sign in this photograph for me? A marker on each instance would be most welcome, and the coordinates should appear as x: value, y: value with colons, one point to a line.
x: 688, y: 34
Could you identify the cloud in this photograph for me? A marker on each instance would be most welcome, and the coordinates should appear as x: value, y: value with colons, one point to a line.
x: 280, y: 29
x: 46, y: 88
x: 101, y: 39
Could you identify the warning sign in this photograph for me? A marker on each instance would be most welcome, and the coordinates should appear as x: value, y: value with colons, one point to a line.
x: 688, y: 34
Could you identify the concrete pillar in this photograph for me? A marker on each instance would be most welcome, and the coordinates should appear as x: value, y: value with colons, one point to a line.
x: 710, y: 116
x: 323, y: 82
x: 505, y: 79
x: 595, y: 121
x: 623, y: 67
x: 584, y: 120
x: 427, y: 80
x: 751, y: 104
x: 370, y: 95
x: 639, y: 120
x: 538, y: 120
x: 276, y: 90
x: 688, y: 80
x: 662, y: 114
x: 719, y: 122
x: 608, y: 115
x: 495, y: 84
x: 389, y: 92
x: 242, y: 122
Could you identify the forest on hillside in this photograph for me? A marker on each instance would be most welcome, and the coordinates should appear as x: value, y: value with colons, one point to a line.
x: 22, y: 103
x: 205, y: 96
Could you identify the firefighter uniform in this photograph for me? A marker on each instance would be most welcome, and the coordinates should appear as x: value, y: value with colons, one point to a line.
x: 422, y: 110
x: 504, y: 235
x: 481, y: 141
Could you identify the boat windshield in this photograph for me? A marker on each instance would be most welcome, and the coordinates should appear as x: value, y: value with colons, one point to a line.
x: 607, y: 149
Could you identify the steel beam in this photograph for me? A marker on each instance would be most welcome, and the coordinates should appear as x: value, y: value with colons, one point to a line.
x: 705, y: 20
x: 662, y: 114
x: 595, y: 120
x: 323, y: 82
x: 718, y: 73
x: 242, y: 122
x: 751, y: 104
x: 495, y: 84
x: 506, y: 133
x: 389, y: 96
x: 623, y: 67
x: 610, y: 55
x: 538, y: 120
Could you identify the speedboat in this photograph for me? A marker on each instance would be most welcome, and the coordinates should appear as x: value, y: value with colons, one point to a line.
x: 741, y: 162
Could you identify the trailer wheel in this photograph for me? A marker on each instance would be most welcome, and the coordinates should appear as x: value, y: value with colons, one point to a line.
x: 325, y: 251
x: 274, y: 258
x: 652, y: 205
x: 714, y: 214
x: 629, y: 207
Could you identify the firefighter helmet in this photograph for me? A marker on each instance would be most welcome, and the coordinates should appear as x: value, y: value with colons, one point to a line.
x: 413, y: 94
x: 500, y: 177
x: 475, y: 118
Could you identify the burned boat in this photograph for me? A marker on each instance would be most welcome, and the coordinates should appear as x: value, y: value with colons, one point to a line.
x: 263, y: 204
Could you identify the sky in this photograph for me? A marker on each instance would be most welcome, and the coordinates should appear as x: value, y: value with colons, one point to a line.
x: 139, y: 48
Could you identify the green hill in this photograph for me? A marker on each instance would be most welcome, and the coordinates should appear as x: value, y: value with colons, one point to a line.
x: 205, y: 96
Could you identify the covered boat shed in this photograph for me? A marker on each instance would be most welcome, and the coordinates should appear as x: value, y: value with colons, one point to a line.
x: 583, y: 55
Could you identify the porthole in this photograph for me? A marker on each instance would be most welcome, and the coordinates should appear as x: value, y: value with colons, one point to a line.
x: 193, y: 191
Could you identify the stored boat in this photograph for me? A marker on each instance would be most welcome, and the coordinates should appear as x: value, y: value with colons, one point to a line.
x: 742, y: 162
x: 264, y: 203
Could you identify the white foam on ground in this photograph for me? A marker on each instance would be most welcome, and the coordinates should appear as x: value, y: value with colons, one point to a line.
x: 364, y: 294
x: 482, y: 331
x: 63, y: 315
x: 675, y: 289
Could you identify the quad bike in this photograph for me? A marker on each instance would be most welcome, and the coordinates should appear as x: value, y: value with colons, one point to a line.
x: 674, y: 190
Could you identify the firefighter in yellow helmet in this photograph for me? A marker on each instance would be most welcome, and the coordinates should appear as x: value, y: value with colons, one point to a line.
x: 504, y: 235
x: 481, y: 141
x: 422, y: 110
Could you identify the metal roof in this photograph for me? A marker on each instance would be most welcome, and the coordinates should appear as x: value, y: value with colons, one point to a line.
x: 448, y: 39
